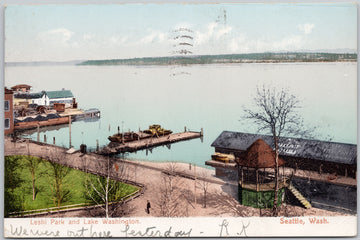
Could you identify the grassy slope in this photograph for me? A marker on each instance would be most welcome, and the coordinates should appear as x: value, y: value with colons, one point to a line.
x: 74, y: 181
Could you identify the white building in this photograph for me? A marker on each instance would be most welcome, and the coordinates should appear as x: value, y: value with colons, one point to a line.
x: 40, y: 99
x: 62, y: 96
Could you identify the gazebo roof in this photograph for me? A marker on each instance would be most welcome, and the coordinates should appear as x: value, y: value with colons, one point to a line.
x: 259, y: 155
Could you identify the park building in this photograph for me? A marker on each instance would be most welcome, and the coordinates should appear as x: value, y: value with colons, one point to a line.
x: 318, y: 173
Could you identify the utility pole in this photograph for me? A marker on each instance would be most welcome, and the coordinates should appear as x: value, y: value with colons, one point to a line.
x: 195, y: 183
x: 122, y: 129
x: 69, y: 131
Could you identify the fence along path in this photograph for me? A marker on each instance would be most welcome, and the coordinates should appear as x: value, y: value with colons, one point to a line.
x: 90, y: 162
x: 146, y: 175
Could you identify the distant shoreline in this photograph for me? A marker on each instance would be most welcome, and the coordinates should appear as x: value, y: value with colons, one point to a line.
x: 230, y: 58
x: 288, y: 57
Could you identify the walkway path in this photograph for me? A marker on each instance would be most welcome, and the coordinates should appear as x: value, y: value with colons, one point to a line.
x: 221, y: 200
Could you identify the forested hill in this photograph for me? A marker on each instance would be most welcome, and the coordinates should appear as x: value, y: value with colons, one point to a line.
x: 231, y: 58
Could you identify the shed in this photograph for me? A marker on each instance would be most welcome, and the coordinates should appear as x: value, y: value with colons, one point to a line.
x: 59, y: 107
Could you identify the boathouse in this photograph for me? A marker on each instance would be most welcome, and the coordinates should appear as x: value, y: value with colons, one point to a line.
x: 312, y: 155
x: 8, y: 112
x: 317, y: 173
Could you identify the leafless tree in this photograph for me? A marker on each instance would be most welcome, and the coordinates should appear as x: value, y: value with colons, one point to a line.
x: 57, y: 180
x: 57, y: 176
x: 171, y: 171
x: 32, y: 164
x: 203, y: 183
x: 171, y: 200
x: 224, y: 203
x: 172, y: 197
x: 275, y: 112
x: 103, y: 190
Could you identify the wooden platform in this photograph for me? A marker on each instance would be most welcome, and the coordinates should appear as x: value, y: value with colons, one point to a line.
x: 148, y: 143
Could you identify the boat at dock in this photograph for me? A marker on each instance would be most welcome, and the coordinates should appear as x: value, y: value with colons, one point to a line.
x: 156, y: 130
x: 128, y: 136
x: 153, y: 131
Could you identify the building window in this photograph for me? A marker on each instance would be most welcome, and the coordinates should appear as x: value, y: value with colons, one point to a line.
x: 7, y: 123
x: 7, y: 105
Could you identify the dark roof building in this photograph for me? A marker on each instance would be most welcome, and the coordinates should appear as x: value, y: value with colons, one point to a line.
x: 316, y: 173
x: 29, y: 95
x: 290, y: 147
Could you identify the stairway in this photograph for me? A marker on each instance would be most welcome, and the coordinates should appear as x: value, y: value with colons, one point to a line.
x: 299, y: 196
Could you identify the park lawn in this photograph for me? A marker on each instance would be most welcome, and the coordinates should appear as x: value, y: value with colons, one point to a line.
x: 74, y: 182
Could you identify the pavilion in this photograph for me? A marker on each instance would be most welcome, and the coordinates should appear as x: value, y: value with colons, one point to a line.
x: 256, y: 167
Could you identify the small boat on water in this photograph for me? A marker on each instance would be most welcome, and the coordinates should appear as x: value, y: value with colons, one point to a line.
x: 154, y: 130
x: 226, y: 158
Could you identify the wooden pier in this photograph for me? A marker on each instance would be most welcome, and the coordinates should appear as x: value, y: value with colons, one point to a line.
x: 148, y: 143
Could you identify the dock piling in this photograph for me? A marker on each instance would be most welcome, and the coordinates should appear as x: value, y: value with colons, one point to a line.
x: 69, y: 131
x: 54, y: 140
x: 195, y: 184
x: 38, y: 133
x: 44, y: 138
x: 97, y: 145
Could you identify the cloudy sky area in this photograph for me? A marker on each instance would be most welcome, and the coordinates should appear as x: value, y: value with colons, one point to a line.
x: 73, y: 32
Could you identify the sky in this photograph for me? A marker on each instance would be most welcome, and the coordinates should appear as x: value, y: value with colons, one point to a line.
x: 83, y: 32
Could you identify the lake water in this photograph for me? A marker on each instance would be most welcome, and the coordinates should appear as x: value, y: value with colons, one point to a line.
x: 198, y: 96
